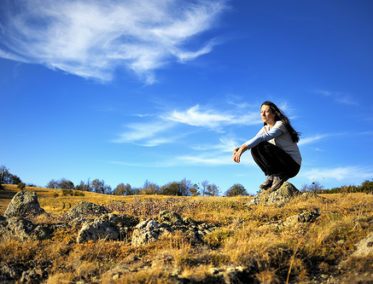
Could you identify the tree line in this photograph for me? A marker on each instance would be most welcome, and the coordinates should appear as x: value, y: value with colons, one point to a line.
x: 178, y: 188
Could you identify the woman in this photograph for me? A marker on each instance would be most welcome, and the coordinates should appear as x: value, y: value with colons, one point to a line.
x: 274, y: 148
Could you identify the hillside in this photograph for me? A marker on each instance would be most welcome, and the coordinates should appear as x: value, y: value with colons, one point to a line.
x: 312, y: 239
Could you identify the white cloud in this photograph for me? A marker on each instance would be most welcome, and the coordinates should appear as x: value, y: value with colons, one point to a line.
x: 147, y: 134
x: 93, y: 38
x: 339, y: 174
x: 338, y: 97
x: 211, y: 159
x: 205, y: 117
x: 312, y: 139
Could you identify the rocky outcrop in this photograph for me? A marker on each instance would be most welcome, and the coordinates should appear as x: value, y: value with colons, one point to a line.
x: 279, y: 197
x: 365, y: 247
x: 24, y: 204
x: 85, y: 209
x: 107, y: 227
x: 169, y: 222
x: 23, y: 229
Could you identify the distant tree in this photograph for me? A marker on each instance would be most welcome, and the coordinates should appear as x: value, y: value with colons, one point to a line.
x: 172, y: 188
x: 149, y: 188
x: 8, y: 178
x: 21, y: 186
x: 313, y: 187
x: 204, y: 185
x: 367, y: 186
x: 99, y: 186
x: 194, y: 190
x: 66, y: 184
x: 52, y: 184
x: 123, y: 189
x: 212, y: 190
x: 84, y: 186
x: 236, y: 189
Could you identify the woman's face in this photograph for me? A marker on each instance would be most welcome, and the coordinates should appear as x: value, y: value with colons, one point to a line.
x: 266, y: 115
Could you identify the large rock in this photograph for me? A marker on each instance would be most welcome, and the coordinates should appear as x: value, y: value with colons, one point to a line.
x: 24, y: 204
x: 23, y: 229
x: 145, y: 232
x: 84, y: 209
x: 365, y: 247
x: 169, y: 222
x: 279, y: 197
x: 107, y: 227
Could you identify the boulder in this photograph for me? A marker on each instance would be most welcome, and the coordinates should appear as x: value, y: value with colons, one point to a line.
x: 107, y: 227
x: 279, y: 197
x: 169, y: 222
x: 84, y: 209
x: 305, y: 217
x: 145, y: 232
x: 23, y: 229
x: 24, y: 204
x: 365, y: 247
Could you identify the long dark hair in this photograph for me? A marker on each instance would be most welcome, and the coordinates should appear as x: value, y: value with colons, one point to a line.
x: 279, y: 115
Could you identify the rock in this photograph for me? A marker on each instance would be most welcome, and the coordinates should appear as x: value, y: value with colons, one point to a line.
x: 107, y: 227
x: 84, y: 209
x: 307, y: 216
x: 23, y: 204
x: 279, y: 197
x: 145, y: 232
x: 365, y: 247
x: 170, y: 222
x: 23, y: 229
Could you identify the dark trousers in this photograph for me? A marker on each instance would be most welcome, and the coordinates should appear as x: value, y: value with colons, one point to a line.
x: 274, y: 161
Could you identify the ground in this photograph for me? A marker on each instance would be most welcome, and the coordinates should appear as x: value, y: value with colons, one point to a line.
x: 311, y: 239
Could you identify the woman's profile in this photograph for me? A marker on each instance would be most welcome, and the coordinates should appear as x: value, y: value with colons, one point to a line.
x: 274, y: 148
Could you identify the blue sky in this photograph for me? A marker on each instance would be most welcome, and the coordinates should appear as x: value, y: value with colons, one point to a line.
x: 163, y: 90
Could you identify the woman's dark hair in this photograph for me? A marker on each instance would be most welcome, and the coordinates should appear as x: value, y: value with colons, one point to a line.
x: 279, y: 115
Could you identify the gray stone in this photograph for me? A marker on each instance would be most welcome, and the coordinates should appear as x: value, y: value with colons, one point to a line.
x: 365, y: 247
x: 145, y: 232
x: 23, y: 229
x: 84, y: 209
x: 107, y: 227
x: 279, y: 197
x: 24, y: 204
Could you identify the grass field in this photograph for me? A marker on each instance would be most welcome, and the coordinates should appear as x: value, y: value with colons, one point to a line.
x: 261, y: 237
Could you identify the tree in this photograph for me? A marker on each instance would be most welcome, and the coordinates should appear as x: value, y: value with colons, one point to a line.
x: 66, y: 184
x: 7, y: 178
x: 194, y: 190
x: 123, y: 189
x: 313, y: 187
x: 204, y: 184
x: 149, y: 188
x: 212, y: 190
x: 84, y: 186
x: 236, y: 189
x: 99, y: 186
x: 172, y: 188
x: 52, y: 184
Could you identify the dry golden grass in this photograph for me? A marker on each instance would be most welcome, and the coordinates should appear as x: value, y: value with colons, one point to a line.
x: 245, y: 236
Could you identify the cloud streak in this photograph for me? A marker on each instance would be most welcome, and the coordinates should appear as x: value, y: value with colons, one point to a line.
x: 338, y: 173
x: 205, y: 117
x: 93, y: 38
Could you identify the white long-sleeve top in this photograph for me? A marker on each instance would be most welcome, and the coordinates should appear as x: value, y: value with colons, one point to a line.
x: 277, y: 135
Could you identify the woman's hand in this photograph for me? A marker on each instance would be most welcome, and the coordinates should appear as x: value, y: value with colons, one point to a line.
x: 237, y: 152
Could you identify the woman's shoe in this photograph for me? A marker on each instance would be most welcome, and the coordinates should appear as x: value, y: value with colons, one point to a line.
x: 277, y: 182
x: 267, y: 183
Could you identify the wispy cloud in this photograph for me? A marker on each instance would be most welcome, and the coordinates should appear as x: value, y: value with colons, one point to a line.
x: 339, y: 174
x: 147, y: 134
x: 312, y: 139
x: 339, y: 97
x: 210, y: 118
x: 93, y: 38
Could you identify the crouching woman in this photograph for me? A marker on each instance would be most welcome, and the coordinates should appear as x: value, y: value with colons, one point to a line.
x: 274, y: 148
